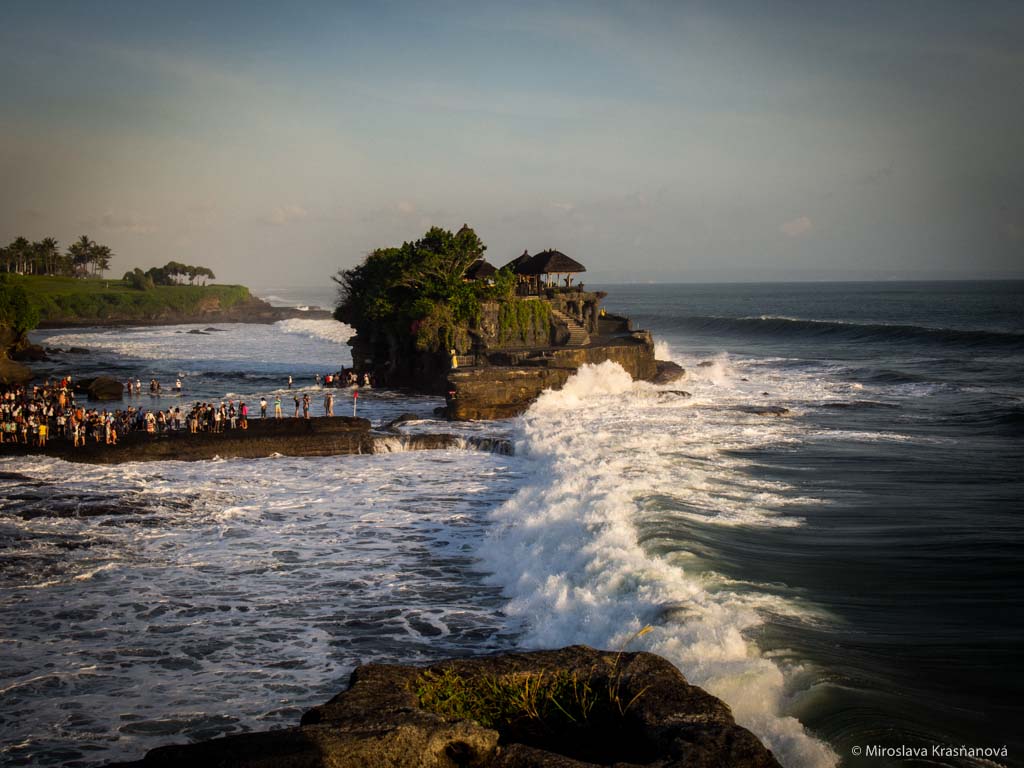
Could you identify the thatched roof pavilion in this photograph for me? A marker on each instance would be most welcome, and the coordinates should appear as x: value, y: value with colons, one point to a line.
x: 480, y: 269
x: 517, y: 262
x: 551, y: 263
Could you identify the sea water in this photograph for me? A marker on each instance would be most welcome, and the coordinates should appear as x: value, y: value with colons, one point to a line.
x: 821, y: 523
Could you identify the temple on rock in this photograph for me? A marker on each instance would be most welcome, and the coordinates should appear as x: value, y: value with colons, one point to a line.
x: 435, y: 316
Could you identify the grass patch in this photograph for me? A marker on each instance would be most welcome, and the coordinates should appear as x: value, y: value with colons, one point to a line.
x: 498, y: 701
x: 578, y: 714
x: 69, y: 299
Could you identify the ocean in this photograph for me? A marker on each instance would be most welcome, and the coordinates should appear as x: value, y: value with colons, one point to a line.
x: 821, y: 522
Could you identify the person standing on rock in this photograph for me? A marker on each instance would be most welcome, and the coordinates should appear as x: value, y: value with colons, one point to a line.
x: 289, y: 382
x: 263, y: 407
x: 296, y: 399
x: 277, y: 407
x: 305, y: 406
x: 243, y: 411
x: 329, y: 404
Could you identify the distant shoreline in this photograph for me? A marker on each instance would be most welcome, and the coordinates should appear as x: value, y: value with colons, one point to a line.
x: 264, y: 316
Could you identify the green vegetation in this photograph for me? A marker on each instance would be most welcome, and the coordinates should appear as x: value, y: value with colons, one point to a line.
x: 83, y: 257
x: 554, y: 699
x: 416, y: 293
x: 518, y: 319
x: 497, y: 701
x: 16, y: 311
x: 69, y: 299
x: 168, y: 274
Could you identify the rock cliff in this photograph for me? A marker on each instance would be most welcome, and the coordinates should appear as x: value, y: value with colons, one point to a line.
x: 505, y: 384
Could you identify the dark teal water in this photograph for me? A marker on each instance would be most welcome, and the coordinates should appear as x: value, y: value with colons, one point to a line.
x: 913, y: 550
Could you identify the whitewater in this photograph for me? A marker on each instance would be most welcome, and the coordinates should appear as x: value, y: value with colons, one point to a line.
x: 759, y: 515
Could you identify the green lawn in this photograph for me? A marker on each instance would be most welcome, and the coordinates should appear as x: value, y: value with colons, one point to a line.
x: 69, y: 299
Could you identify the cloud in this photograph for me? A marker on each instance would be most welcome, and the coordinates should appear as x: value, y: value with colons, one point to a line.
x: 286, y: 214
x: 120, y: 222
x: 797, y: 227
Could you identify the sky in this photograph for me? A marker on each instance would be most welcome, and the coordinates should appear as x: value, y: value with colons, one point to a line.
x: 669, y: 141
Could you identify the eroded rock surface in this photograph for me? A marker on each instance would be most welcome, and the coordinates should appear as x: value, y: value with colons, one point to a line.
x: 378, y: 721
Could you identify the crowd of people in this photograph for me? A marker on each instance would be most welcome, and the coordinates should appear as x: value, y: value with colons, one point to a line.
x: 34, y: 415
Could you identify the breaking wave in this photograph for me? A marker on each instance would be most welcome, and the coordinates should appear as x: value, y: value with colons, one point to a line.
x: 568, y: 552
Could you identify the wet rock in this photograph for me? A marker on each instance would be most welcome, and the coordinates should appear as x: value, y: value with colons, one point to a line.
x: 101, y: 388
x: 197, y: 332
x: 676, y: 393
x: 650, y: 715
x: 505, y: 389
x: 30, y: 353
x: 705, y: 363
x: 215, y: 330
x: 766, y: 410
x: 667, y: 372
x: 402, y: 418
x: 78, y: 351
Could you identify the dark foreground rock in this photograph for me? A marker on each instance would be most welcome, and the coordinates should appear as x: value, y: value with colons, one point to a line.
x: 649, y: 716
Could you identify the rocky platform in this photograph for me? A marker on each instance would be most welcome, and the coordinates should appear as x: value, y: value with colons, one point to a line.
x: 646, y: 713
x: 321, y: 436
x: 510, y: 382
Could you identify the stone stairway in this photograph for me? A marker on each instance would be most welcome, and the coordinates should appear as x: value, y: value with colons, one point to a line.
x: 578, y: 336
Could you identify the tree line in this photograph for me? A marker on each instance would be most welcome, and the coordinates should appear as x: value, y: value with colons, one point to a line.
x: 171, y: 273
x: 83, y: 258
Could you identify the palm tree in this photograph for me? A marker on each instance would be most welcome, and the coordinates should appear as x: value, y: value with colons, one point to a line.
x: 47, y: 253
x: 21, y: 252
x: 81, y: 252
x: 101, y: 258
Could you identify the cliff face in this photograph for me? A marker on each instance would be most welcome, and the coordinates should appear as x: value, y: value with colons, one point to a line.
x: 207, y: 310
x: 507, y: 383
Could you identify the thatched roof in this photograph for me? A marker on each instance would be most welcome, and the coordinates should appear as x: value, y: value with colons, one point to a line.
x: 480, y: 269
x: 517, y: 262
x: 550, y: 262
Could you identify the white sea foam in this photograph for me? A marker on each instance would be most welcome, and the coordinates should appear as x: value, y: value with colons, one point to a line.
x: 567, y: 552
x: 244, y: 591
x: 329, y: 330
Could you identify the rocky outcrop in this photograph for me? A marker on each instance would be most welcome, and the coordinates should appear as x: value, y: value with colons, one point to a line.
x: 507, y: 385
x: 100, y: 389
x: 12, y: 373
x: 643, y: 712
x: 667, y: 372
x: 498, y: 391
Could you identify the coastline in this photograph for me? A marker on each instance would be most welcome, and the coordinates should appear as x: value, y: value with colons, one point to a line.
x: 261, y: 314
